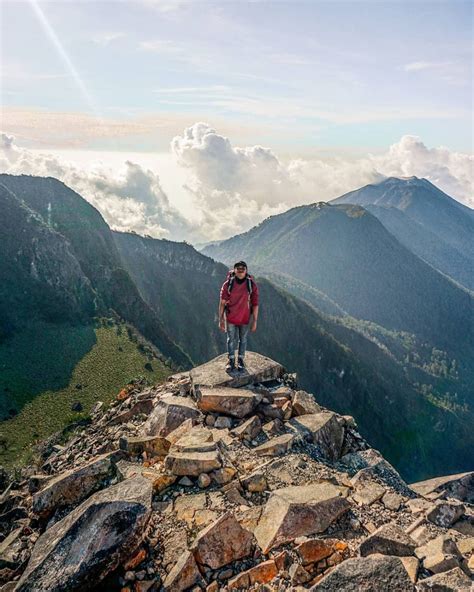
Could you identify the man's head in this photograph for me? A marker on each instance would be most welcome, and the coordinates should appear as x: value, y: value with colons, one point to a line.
x: 240, y: 269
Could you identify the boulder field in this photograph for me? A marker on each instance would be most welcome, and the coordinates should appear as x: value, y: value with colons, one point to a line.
x: 217, y: 482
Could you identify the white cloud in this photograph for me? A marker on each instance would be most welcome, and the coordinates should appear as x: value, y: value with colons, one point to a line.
x: 238, y: 187
x: 129, y: 199
x: 160, y: 46
x: 106, y: 37
x: 234, y: 188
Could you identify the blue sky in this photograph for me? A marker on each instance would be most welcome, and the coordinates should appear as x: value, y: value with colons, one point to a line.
x: 300, y: 74
x: 198, y: 119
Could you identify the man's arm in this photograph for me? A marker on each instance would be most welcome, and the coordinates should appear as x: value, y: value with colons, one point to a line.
x: 222, y: 304
x: 255, y: 317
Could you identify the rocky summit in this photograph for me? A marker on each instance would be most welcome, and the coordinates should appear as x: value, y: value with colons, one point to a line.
x: 217, y: 482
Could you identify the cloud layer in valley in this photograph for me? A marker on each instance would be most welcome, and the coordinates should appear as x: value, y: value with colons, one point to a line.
x: 235, y: 188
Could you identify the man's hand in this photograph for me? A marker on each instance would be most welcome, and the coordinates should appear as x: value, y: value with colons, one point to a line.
x: 253, y: 328
x: 222, y: 324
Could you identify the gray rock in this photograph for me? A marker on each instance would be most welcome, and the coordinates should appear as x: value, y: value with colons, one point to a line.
x: 439, y: 554
x: 223, y: 423
x: 389, y: 539
x: 222, y: 542
x: 367, y: 574
x: 374, y: 465
x: 81, y: 549
x: 454, y: 580
x: 169, y: 413
x: 10, y: 549
x: 74, y: 485
x: 445, y: 513
x: 322, y: 429
x: 297, y: 511
x: 460, y: 486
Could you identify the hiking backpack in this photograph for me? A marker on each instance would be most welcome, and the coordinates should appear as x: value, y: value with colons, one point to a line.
x: 231, y: 278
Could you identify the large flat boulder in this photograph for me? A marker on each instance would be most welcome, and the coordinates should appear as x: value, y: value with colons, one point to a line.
x: 169, y: 413
x: 297, y: 511
x: 322, y: 429
x: 192, y: 464
x: 75, y: 485
x: 226, y: 401
x: 459, y: 486
x: 376, y: 573
x: 197, y: 439
x: 77, y: 552
x: 213, y: 373
x: 222, y: 542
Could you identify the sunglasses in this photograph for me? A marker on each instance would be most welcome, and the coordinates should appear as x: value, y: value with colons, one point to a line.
x: 240, y: 269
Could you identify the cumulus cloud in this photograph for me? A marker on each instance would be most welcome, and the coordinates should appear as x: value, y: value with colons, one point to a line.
x: 235, y: 188
x: 238, y: 187
x: 129, y: 199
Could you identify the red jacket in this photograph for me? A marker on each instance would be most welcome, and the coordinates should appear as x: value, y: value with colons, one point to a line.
x: 239, y: 302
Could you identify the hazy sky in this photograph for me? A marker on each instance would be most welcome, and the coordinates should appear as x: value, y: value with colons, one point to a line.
x: 338, y: 93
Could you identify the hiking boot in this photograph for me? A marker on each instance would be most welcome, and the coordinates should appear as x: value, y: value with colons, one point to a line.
x: 230, y: 367
x: 241, y: 365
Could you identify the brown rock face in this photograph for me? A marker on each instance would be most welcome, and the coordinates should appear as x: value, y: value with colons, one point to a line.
x: 260, y: 574
x: 222, y: 542
x: 77, y: 552
x: 192, y: 464
x: 169, y: 413
x: 322, y: 429
x: 275, y: 446
x: 227, y: 401
x: 300, y: 510
x: 389, y: 539
x: 314, y: 550
x: 154, y: 445
x: 304, y: 403
x: 259, y: 368
x: 184, y: 574
x: 74, y: 486
x: 248, y: 430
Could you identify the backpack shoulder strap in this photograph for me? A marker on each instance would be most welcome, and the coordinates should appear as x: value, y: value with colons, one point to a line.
x: 231, y: 278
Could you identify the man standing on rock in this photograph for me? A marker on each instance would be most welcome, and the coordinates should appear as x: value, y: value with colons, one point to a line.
x: 238, y: 304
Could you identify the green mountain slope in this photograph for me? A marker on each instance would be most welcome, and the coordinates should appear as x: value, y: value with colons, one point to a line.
x: 91, y: 244
x: 434, y: 226
x: 51, y: 381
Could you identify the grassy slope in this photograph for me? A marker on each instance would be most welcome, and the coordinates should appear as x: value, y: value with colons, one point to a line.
x: 112, y: 361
